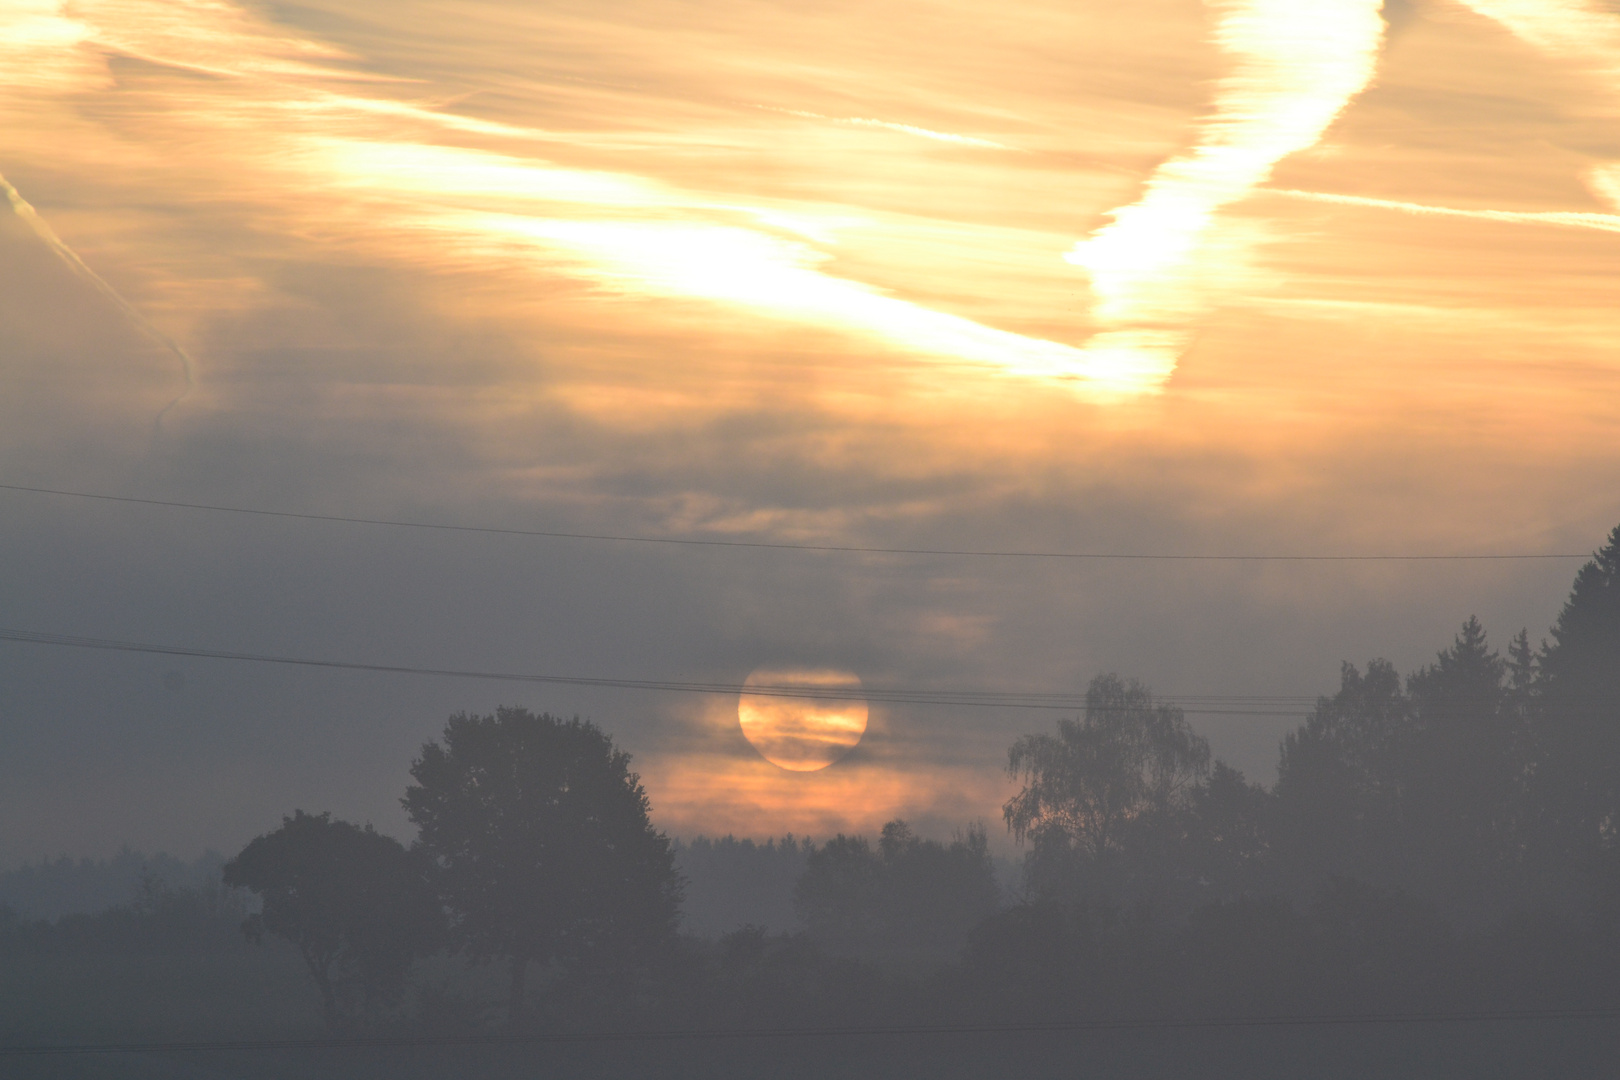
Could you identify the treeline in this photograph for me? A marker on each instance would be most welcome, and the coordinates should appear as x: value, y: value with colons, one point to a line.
x: 161, y: 917
x: 1481, y: 784
x: 50, y: 888
x: 1444, y: 842
x: 731, y: 883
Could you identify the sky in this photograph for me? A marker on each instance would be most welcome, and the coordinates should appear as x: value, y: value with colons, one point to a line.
x: 1233, y: 277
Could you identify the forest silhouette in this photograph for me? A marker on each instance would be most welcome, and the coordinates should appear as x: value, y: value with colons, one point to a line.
x: 1443, y: 844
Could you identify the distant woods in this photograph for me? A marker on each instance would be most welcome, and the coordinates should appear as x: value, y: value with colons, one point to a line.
x: 732, y: 883
x: 908, y: 898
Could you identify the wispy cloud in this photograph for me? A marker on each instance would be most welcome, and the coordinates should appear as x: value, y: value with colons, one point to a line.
x: 1583, y: 29
x: 41, y: 229
x: 1294, y: 67
x: 314, y: 132
x: 1567, y: 219
x: 889, y: 125
x: 753, y: 270
x: 1586, y: 32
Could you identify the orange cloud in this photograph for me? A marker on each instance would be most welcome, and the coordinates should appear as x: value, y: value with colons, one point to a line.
x: 693, y: 794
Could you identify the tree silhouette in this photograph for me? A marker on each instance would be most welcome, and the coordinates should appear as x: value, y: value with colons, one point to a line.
x: 545, y: 852
x: 1577, y: 784
x: 1229, y: 844
x: 1339, y: 778
x: 1107, y: 785
x: 356, y: 904
x: 910, y: 897
x: 1464, y: 768
x: 838, y: 895
x: 1423, y: 788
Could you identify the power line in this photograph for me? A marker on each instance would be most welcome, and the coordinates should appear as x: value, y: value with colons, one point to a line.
x: 1201, y: 704
x: 1283, y: 705
x: 692, y: 1034
x: 854, y: 549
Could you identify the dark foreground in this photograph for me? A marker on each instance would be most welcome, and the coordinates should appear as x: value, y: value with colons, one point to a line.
x: 1564, y: 1049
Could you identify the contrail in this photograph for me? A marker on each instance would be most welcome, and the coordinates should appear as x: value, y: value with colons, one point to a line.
x: 25, y: 210
x: 904, y: 129
x: 1295, y: 66
x: 1568, y: 219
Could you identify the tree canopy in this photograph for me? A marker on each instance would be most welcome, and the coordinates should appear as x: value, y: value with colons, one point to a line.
x: 356, y: 904
x: 543, y: 844
x: 1106, y: 785
x: 1577, y: 786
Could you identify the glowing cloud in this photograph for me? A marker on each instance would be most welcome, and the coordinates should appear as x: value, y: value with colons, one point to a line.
x: 625, y: 233
x: 39, y: 48
x: 1604, y: 180
x: 1295, y: 67
x: 707, y: 793
x: 1582, y: 29
x: 753, y: 270
x: 1579, y: 30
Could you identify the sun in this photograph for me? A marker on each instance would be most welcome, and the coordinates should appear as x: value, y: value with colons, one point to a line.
x: 802, y: 734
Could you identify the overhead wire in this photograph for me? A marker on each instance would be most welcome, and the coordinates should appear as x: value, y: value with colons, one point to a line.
x: 856, y: 549
x: 1284, y: 705
x: 1206, y: 704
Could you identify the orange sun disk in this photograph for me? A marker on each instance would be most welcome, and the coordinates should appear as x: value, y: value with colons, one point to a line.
x: 802, y: 734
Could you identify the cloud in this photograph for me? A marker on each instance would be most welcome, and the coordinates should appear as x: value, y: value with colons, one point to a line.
x: 1561, y: 218
x: 1583, y: 30
x: 622, y: 232
x: 714, y: 795
x: 1604, y: 180
x: 904, y: 129
x: 1294, y: 67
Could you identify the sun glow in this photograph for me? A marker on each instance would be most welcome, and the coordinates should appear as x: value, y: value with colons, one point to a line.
x: 799, y: 734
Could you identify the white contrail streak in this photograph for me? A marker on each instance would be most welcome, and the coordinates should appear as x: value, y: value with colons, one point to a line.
x: 1567, y: 219
x: 1296, y: 64
x: 924, y: 133
x: 30, y: 217
x: 889, y: 125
